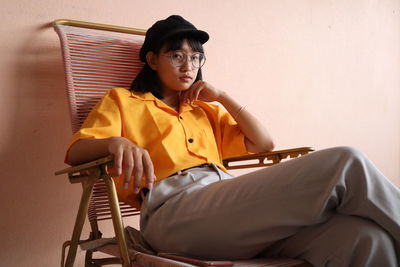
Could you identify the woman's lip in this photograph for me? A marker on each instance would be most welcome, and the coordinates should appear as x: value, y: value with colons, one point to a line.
x: 186, y: 78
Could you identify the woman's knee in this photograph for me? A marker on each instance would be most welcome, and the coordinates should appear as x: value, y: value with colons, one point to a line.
x: 335, y: 156
x: 348, y: 161
x: 347, y: 152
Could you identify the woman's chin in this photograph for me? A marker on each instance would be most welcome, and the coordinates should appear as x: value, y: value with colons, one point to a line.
x: 184, y: 88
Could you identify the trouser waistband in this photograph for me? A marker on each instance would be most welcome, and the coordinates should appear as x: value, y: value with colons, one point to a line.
x: 198, y: 166
x: 144, y: 191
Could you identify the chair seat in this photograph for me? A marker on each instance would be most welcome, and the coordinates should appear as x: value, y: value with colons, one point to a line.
x: 145, y: 260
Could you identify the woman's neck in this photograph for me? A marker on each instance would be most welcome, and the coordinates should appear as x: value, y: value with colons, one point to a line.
x: 172, y: 99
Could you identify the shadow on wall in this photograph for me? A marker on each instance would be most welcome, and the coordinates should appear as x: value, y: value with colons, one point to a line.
x: 40, y: 207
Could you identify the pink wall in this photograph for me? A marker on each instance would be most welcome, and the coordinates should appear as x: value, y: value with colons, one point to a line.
x: 318, y: 73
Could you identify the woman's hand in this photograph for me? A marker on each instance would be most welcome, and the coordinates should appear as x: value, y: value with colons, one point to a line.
x: 131, y: 161
x: 202, y: 91
x: 257, y: 137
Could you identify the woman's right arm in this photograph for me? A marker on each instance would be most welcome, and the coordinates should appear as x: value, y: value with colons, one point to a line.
x: 129, y: 159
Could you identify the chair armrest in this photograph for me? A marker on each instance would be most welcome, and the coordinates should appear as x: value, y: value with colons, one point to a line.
x: 264, y: 159
x: 80, y: 172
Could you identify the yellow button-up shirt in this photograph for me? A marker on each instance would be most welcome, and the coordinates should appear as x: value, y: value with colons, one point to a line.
x: 197, y: 134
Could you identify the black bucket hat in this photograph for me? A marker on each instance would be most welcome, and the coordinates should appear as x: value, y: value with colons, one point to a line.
x: 163, y: 30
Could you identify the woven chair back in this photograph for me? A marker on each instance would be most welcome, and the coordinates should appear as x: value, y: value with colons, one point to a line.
x: 96, y: 61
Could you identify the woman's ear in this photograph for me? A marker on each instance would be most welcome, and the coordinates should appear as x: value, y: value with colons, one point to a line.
x: 152, y: 60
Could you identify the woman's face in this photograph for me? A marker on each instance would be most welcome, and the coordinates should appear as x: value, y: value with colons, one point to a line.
x: 176, y: 78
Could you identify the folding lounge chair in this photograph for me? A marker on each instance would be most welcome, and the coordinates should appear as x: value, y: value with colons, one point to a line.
x: 99, y: 57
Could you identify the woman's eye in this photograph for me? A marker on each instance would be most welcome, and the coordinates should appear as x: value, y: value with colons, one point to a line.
x: 195, y: 57
x: 177, y: 56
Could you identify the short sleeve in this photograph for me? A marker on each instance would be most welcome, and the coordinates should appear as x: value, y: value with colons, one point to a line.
x: 102, y: 122
x: 228, y: 136
x: 232, y: 138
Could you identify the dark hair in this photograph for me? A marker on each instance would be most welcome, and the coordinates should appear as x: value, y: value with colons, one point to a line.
x: 147, y: 79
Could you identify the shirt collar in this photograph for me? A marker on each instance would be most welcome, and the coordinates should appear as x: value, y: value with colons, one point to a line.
x: 143, y: 96
x: 148, y: 96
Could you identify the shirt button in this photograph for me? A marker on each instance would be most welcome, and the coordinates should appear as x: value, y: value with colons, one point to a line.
x: 190, y: 140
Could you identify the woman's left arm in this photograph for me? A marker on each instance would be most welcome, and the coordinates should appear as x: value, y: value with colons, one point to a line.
x: 257, y: 138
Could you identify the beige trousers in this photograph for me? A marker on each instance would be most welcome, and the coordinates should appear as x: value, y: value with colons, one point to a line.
x: 331, y: 208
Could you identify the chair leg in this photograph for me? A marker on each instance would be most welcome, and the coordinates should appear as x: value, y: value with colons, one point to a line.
x: 79, y: 222
x: 89, y: 259
x: 117, y: 221
x: 95, y: 234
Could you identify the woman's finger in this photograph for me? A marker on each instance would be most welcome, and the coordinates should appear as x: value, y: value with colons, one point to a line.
x: 149, y: 169
x: 138, y: 170
x: 197, y: 93
x: 118, y: 156
x: 184, y: 96
x: 129, y: 164
x: 193, y: 92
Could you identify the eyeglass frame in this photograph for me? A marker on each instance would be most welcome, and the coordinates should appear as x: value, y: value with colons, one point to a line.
x: 170, y: 54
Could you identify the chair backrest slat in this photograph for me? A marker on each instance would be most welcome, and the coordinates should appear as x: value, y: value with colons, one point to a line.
x: 96, y: 61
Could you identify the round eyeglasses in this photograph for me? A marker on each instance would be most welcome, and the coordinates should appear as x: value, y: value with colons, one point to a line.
x: 179, y: 58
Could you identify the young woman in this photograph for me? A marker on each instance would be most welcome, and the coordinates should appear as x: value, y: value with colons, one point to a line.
x: 331, y: 208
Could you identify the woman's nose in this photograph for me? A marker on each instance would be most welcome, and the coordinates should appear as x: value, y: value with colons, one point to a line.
x: 187, y: 65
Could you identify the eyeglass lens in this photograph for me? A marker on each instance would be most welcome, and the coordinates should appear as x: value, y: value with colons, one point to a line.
x: 179, y: 58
